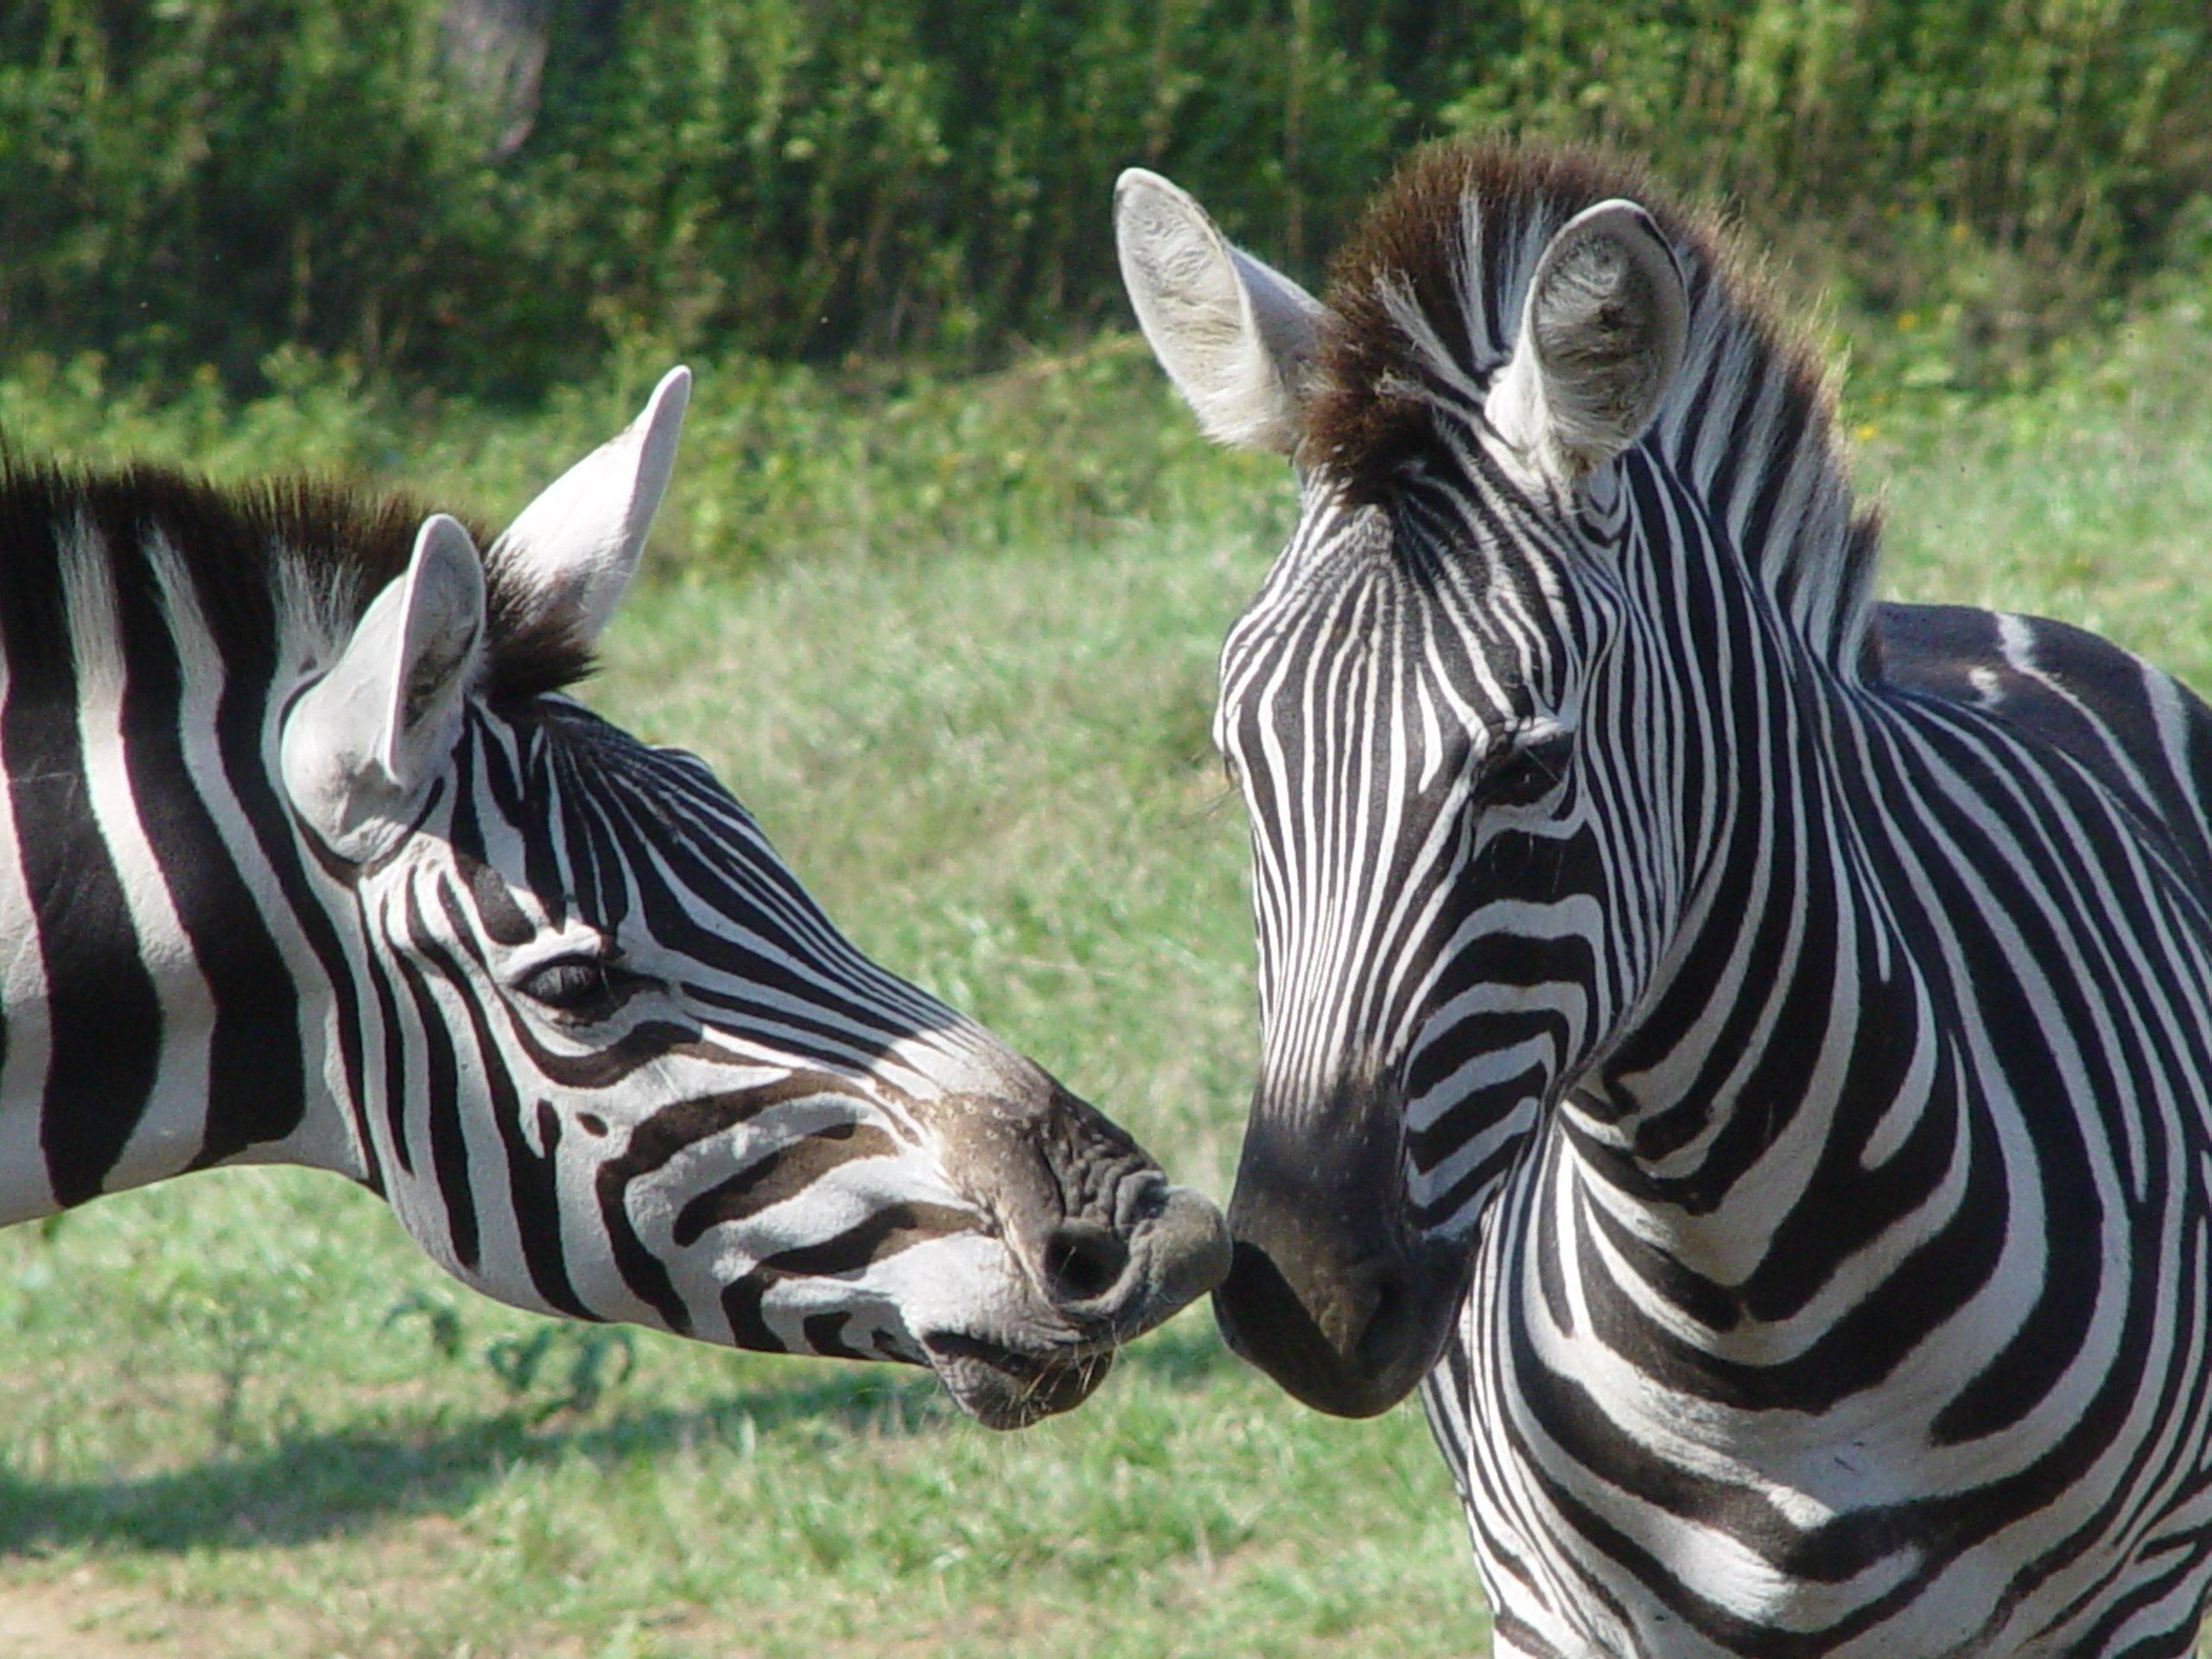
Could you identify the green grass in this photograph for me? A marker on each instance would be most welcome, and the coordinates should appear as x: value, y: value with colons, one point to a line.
x: 243, y: 1418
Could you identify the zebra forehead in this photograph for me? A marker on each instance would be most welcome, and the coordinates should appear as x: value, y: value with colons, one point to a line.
x: 248, y: 553
x: 1427, y: 292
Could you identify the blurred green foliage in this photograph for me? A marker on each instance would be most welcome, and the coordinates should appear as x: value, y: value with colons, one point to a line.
x: 198, y: 182
x: 782, y: 461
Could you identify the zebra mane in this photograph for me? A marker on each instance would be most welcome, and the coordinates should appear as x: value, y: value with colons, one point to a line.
x: 254, y: 553
x: 1426, y: 302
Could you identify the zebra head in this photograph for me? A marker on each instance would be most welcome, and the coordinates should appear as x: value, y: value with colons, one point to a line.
x: 604, y: 1056
x: 1436, y: 705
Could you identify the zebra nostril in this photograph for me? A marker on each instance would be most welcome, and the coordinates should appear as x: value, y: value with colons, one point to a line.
x: 1082, y: 1262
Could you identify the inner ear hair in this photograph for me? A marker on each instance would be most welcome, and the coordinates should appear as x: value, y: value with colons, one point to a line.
x: 1602, y: 331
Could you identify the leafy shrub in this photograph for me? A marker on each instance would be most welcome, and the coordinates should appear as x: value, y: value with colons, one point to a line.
x: 190, y: 182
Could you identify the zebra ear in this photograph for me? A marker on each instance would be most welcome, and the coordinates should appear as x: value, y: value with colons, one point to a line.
x: 1602, y: 330
x: 1236, y: 336
x: 362, y: 746
x: 575, y: 547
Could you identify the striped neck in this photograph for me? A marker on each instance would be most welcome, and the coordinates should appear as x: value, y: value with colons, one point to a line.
x: 1786, y: 1044
x: 180, y: 1010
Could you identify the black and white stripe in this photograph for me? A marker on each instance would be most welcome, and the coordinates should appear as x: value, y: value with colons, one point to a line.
x: 1748, y: 1048
x: 307, y: 859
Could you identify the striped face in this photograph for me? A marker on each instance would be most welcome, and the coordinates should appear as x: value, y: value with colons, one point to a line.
x: 1435, y: 707
x: 1406, y: 707
x: 627, y: 1071
x: 646, y: 1080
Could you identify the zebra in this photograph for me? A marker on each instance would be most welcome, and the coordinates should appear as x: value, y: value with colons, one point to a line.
x: 310, y: 858
x: 1744, y: 1050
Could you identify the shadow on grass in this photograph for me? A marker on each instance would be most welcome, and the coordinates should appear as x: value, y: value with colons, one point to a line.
x: 310, y: 1487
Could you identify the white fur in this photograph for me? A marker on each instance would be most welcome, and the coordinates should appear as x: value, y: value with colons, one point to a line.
x: 577, y: 545
x: 174, y: 1123
x: 24, y: 1190
x: 362, y: 747
x: 1235, y: 335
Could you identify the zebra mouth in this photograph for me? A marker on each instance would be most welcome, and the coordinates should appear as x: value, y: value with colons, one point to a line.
x: 1001, y: 1388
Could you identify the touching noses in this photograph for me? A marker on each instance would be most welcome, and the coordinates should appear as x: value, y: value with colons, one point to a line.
x: 1110, y: 1245
x: 1322, y: 1292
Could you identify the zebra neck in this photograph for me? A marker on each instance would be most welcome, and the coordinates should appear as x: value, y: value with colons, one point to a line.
x: 90, y: 1109
x: 173, y: 1003
x: 1786, y: 1082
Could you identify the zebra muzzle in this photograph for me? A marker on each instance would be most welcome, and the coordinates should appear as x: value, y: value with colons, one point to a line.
x: 1099, y: 1284
x: 1323, y: 1293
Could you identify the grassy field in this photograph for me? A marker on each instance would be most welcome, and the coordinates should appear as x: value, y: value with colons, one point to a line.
x: 965, y: 678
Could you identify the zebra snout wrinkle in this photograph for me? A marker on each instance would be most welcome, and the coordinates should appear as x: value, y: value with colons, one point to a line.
x: 1111, y: 1247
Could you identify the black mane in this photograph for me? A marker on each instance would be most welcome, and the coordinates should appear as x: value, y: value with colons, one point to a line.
x: 342, y: 544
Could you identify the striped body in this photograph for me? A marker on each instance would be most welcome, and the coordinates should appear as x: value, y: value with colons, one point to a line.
x: 1833, y: 1321
x: 567, y: 1012
x: 1749, y: 1050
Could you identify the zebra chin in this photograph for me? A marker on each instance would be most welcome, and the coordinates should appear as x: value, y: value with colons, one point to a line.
x: 1002, y: 1388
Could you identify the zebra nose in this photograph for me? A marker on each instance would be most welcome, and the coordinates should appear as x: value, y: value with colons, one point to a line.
x: 1104, y: 1238
x: 1171, y: 1251
x: 1352, y: 1347
x: 1324, y: 1294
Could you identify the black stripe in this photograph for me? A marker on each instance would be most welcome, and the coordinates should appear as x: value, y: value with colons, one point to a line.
x: 256, y: 1090
x: 533, y: 1178
x: 670, y: 1131
x: 449, y: 1162
x: 104, y: 1016
x: 895, y: 1228
x: 241, y: 721
x: 784, y: 1173
x: 501, y: 918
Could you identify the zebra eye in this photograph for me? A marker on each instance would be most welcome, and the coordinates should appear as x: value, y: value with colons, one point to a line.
x: 589, y: 988
x: 1522, y: 774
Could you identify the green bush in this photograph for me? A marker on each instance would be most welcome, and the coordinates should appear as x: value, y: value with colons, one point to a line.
x: 2006, y: 162
x: 189, y: 182
x: 198, y: 183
